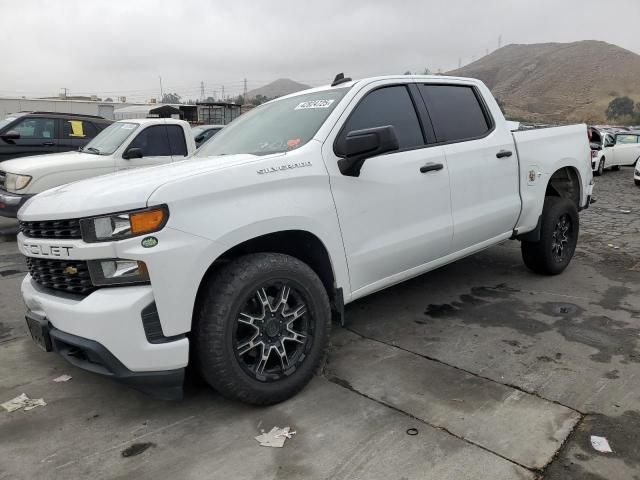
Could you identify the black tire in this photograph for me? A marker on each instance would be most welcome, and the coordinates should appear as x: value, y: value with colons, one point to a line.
x: 615, y: 168
x: 600, y: 169
x: 559, y: 221
x: 226, y: 324
x: 637, y: 182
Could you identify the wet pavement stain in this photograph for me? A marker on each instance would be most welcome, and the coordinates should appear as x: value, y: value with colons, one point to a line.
x: 613, y: 374
x: 609, y: 337
x: 5, y: 332
x: 137, y: 449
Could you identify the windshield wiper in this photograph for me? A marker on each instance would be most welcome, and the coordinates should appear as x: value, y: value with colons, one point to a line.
x: 92, y: 150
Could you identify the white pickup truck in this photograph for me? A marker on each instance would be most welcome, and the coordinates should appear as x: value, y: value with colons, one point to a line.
x: 121, y: 146
x: 238, y: 258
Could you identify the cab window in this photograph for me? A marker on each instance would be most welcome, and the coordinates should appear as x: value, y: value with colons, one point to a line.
x: 35, y: 128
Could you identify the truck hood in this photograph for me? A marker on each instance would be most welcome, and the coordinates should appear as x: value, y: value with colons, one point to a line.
x: 38, y: 163
x: 124, y: 190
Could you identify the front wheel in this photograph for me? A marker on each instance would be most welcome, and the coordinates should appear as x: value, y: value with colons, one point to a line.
x: 261, y: 328
x: 600, y: 169
x: 558, y: 238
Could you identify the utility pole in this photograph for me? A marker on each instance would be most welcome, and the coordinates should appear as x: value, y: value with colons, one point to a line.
x: 499, y: 41
x: 244, y: 91
x: 201, y: 91
x: 65, y: 91
x: 459, y: 62
x: 161, y: 92
x: 223, y: 93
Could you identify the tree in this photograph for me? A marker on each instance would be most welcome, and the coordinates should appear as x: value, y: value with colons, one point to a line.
x: 620, y: 107
x: 171, y: 98
x: 108, y: 99
x: 408, y: 72
x: 258, y: 100
x: 427, y: 72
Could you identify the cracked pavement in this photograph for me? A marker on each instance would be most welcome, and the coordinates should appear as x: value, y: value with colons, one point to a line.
x: 504, y: 374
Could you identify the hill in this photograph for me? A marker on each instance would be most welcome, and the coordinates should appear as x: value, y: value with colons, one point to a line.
x: 278, y: 88
x: 556, y: 82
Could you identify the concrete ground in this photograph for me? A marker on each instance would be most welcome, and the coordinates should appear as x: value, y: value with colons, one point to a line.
x: 504, y: 374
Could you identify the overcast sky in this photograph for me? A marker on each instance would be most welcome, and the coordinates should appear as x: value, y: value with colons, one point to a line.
x: 121, y: 47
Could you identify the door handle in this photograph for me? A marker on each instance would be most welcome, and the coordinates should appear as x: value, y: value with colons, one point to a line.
x: 430, y: 167
x: 48, y: 144
x: 504, y: 153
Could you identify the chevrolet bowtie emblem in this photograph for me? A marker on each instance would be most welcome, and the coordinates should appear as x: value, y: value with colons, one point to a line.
x: 71, y: 270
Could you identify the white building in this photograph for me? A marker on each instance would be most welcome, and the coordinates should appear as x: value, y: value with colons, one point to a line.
x: 86, y: 107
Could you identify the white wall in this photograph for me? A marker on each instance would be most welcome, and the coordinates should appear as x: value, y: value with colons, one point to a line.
x: 14, y: 105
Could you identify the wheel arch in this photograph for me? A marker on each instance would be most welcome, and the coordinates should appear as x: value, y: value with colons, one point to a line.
x: 301, y: 244
x: 565, y: 183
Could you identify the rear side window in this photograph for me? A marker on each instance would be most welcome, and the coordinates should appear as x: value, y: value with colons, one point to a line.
x: 78, y: 129
x: 176, y: 140
x: 153, y: 142
x: 455, y: 111
x: 388, y: 106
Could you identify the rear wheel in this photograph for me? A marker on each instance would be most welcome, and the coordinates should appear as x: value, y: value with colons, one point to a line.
x: 558, y: 238
x: 261, y: 328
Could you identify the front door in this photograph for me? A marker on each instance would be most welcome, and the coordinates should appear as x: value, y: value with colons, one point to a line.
x: 38, y: 135
x: 154, y: 143
x: 393, y: 216
x: 627, y: 149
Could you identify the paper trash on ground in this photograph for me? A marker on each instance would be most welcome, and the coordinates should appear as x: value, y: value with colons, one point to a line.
x: 600, y: 444
x: 275, y: 437
x: 24, y: 402
x: 62, y: 378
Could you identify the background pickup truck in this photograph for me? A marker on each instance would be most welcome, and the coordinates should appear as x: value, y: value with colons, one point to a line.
x: 121, y: 146
x: 239, y: 257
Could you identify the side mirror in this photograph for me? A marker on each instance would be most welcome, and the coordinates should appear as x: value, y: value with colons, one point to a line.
x: 11, y: 135
x: 358, y: 145
x: 132, y: 153
x: 610, y: 143
x: 199, y: 139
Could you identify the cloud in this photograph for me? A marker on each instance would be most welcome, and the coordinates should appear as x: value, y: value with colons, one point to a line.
x: 112, y: 47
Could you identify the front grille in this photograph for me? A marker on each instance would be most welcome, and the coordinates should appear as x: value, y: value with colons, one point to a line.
x: 66, y: 275
x: 3, y: 180
x: 69, y: 229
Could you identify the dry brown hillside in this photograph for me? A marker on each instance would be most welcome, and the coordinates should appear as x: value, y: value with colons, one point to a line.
x: 558, y: 81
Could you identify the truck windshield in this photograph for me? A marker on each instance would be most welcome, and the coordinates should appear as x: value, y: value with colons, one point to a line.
x: 109, y: 139
x: 278, y: 126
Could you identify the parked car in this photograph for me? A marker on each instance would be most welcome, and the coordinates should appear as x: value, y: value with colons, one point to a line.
x: 36, y: 133
x: 121, y: 146
x: 239, y: 257
x: 613, y: 148
x: 636, y: 174
x: 202, y: 133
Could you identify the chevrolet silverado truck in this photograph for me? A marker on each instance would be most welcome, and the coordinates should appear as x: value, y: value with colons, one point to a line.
x: 121, y: 146
x: 235, y: 261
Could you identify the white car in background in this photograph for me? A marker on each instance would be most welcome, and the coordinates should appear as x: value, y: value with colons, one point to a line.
x: 614, y: 149
x: 636, y: 174
x: 122, y: 145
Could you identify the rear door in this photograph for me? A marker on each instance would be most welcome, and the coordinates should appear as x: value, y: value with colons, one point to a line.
x: 393, y: 216
x: 482, y: 162
x: 75, y: 133
x: 38, y: 135
x: 626, y: 151
x: 154, y: 143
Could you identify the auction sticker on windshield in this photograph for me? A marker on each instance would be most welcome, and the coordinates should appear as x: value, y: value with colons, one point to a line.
x: 315, y: 104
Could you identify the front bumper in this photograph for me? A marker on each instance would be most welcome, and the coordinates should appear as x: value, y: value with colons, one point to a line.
x: 10, y: 203
x: 111, y: 317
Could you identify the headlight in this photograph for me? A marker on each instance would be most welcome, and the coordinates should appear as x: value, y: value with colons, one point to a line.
x: 116, y: 271
x: 14, y: 181
x: 123, y: 225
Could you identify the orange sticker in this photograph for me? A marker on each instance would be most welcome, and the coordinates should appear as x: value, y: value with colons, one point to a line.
x: 293, y: 143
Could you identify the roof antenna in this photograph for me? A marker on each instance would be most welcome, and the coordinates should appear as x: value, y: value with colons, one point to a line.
x: 340, y: 78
